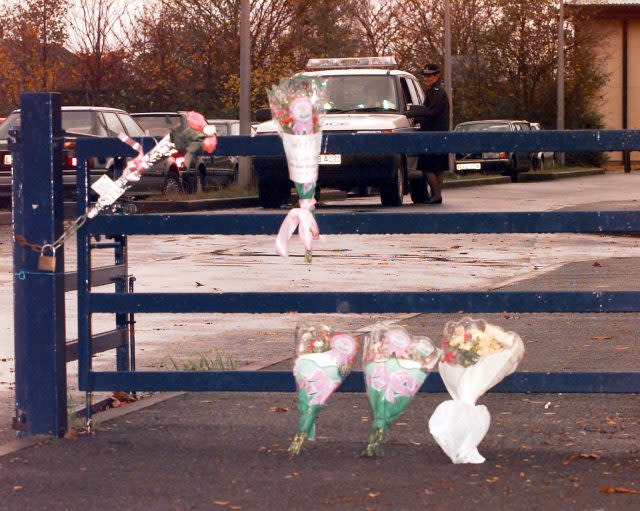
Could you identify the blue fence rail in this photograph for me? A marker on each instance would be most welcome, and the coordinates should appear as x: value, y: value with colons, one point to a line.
x: 399, y: 222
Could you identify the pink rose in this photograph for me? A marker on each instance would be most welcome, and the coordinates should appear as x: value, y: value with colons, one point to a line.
x: 196, y: 121
x: 344, y: 347
x: 209, y: 144
x: 398, y: 342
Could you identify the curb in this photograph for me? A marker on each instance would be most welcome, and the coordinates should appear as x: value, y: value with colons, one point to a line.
x: 529, y: 177
x: 481, y: 181
x: 195, y: 205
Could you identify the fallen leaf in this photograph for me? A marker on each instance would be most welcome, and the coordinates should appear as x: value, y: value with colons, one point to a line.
x: 123, y: 397
x: 221, y: 502
x: 17, y: 488
x: 583, y: 456
x: 492, y: 479
x: 374, y: 494
x: 279, y: 409
x: 597, y: 264
x: 206, y: 401
x: 619, y: 489
x: 621, y: 348
x: 601, y: 337
x: 234, y: 506
x: 198, y: 284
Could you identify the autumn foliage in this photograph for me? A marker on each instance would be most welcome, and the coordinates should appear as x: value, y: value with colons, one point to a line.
x: 184, y: 54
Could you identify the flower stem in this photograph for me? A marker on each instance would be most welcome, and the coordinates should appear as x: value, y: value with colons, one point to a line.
x: 375, y: 444
x: 296, y: 444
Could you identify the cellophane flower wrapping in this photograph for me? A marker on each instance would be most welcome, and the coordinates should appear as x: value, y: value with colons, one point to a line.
x: 298, y: 108
x: 395, y: 367
x: 323, y: 358
x: 476, y: 356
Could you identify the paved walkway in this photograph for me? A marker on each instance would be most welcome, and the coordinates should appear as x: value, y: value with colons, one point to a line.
x: 228, y: 451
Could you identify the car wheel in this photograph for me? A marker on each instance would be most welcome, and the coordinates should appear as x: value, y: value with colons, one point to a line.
x: 172, y: 187
x: 392, y: 191
x: 419, y: 190
x: 364, y: 191
x: 201, y: 179
x: 273, y: 194
x: 513, y: 172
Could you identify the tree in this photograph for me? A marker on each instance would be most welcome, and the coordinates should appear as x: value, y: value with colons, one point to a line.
x: 32, y: 49
x: 94, y: 25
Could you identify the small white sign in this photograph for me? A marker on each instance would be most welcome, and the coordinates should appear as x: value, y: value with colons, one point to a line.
x: 7, y: 159
x: 107, y: 189
x: 468, y: 166
x: 330, y: 159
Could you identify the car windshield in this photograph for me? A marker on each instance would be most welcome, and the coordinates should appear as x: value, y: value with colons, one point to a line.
x: 483, y: 126
x: 159, y: 125
x: 366, y: 93
x: 12, y: 120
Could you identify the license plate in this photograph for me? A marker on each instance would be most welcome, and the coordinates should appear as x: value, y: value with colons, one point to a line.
x: 468, y: 166
x: 330, y: 159
x: 7, y: 159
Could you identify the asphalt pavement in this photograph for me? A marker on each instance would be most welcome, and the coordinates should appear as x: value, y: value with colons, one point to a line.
x: 228, y: 450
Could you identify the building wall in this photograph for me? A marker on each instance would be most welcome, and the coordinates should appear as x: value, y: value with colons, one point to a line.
x: 634, y: 75
x: 609, y: 31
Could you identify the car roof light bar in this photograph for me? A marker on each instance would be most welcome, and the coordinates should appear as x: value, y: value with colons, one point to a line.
x: 352, y: 62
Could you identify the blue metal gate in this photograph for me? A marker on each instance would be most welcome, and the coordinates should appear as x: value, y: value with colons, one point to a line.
x: 376, y: 222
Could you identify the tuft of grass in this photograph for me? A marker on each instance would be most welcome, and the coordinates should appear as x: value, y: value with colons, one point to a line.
x: 204, y: 363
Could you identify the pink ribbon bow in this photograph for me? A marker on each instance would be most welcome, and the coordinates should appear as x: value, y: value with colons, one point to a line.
x: 302, y: 219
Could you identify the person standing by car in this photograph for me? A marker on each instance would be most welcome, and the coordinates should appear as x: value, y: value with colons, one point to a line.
x: 436, y: 118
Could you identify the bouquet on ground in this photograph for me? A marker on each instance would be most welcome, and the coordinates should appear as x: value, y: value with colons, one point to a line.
x: 198, y: 135
x: 395, y: 367
x: 323, y: 359
x: 298, y: 108
x: 476, y: 356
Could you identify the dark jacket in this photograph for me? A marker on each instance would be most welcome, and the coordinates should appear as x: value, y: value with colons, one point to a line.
x: 437, y: 103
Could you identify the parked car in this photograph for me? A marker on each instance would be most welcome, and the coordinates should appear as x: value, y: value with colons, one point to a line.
x: 365, y: 95
x: 506, y: 163
x: 206, y: 171
x: 87, y: 121
x: 543, y: 159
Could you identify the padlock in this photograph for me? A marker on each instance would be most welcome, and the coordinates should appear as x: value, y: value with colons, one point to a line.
x: 47, y: 262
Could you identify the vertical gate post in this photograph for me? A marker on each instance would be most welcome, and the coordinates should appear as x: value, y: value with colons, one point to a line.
x: 39, y: 308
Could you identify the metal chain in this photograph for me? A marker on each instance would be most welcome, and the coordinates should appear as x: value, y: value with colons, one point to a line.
x: 70, y: 230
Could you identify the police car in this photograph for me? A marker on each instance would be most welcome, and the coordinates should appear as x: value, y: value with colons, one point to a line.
x: 365, y: 95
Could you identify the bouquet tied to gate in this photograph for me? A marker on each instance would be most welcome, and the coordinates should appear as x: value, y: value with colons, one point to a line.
x: 198, y: 135
x: 323, y: 359
x: 395, y: 367
x: 476, y: 356
x: 298, y: 107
